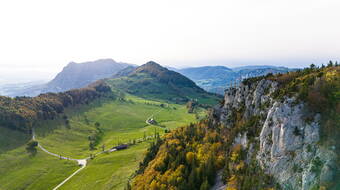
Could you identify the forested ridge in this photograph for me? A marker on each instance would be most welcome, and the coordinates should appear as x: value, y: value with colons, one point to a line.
x: 191, y: 156
x: 21, y: 113
x: 188, y: 158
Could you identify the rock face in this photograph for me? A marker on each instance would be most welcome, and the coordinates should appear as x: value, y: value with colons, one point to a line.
x: 287, y: 145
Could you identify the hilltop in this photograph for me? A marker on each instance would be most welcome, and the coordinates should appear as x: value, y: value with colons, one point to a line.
x: 151, y: 80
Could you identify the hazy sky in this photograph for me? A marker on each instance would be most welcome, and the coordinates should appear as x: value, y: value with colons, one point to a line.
x: 39, y: 37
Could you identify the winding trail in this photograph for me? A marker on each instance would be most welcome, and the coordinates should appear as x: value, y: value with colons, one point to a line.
x: 62, y: 183
x: 82, y: 162
x: 151, y: 116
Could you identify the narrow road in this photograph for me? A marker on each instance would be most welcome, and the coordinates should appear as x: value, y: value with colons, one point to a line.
x: 81, y: 162
x: 147, y: 120
x: 62, y: 183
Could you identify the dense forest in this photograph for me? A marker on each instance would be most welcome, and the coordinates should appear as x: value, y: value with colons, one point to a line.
x: 21, y: 113
x: 187, y: 159
x: 191, y: 157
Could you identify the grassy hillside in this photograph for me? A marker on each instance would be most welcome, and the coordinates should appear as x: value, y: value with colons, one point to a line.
x: 21, y: 171
x: 120, y: 121
x: 152, y: 81
x: 109, y: 171
x: 11, y: 139
x: 98, y: 123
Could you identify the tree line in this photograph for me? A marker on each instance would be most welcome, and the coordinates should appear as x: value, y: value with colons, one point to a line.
x: 21, y: 113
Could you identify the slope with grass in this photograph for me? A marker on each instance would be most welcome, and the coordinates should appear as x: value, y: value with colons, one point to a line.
x: 109, y: 171
x: 21, y: 171
x: 120, y: 121
x: 154, y: 81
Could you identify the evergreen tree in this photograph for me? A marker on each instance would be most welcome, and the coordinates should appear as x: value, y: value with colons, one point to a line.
x: 330, y: 63
x: 31, y: 148
x: 192, y: 179
x: 205, y: 185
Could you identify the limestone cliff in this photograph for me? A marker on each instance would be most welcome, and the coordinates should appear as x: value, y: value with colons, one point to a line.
x: 285, y: 141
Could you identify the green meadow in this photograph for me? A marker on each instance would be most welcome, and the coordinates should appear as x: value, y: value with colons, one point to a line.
x: 119, y: 121
x: 109, y: 171
x: 20, y: 171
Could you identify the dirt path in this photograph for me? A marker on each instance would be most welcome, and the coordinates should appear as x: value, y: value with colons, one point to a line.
x: 81, y: 162
x: 151, y: 116
x: 62, y: 183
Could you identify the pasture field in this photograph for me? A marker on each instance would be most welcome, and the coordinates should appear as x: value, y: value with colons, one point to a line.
x: 119, y: 121
x: 18, y: 170
x: 109, y: 171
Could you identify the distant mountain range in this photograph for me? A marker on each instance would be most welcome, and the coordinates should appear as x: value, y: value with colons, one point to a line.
x: 74, y: 75
x: 77, y: 75
x: 217, y: 78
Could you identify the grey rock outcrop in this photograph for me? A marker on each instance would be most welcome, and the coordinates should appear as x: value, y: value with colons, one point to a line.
x: 288, y: 144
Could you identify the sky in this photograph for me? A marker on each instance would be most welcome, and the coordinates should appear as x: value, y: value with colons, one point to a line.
x: 39, y: 37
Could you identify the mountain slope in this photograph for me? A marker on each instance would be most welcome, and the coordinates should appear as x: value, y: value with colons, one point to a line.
x: 75, y: 75
x: 154, y: 81
x: 272, y: 132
